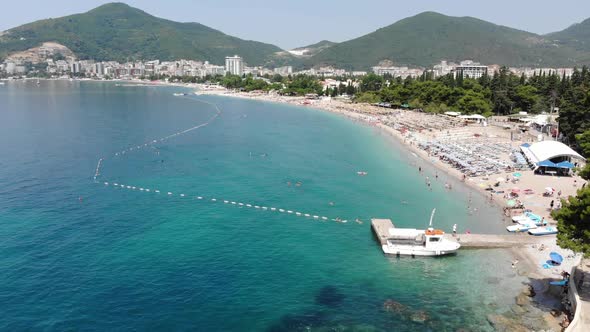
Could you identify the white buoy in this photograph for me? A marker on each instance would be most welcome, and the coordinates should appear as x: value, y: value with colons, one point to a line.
x: 289, y: 211
x: 169, y: 193
x: 248, y: 205
x: 225, y: 202
x: 199, y: 197
x: 115, y: 184
x: 315, y: 217
x: 256, y: 207
x: 140, y: 189
x: 298, y: 213
x: 281, y: 210
x: 307, y: 214
x: 157, y: 191
x: 147, y: 190
x: 233, y: 203
x: 213, y: 200
x: 241, y: 204
x: 273, y: 209
x: 106, y: 183
x: 264, y: 208
x: 324, y: 218
x: 181, y: 195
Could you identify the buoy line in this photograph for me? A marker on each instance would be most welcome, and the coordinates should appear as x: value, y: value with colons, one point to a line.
x: 228, y: 202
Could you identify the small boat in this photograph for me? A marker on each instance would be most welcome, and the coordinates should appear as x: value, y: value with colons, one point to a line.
x: 362, y: 173
x: 416, y: 242
x: 546, y: 230
x: 534, y: 220
x: 520, y: 227
x: 525, y: 217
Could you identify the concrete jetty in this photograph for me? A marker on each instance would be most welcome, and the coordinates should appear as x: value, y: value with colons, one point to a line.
x: 381, y: 230
x: 493, y: 241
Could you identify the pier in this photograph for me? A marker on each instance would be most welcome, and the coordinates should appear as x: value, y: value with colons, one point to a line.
x: 381, y: 228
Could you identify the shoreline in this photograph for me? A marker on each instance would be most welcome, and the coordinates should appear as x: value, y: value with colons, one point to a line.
x: 527, y: 257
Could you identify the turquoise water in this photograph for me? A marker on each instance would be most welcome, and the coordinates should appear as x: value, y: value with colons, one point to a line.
x: 80, y: 255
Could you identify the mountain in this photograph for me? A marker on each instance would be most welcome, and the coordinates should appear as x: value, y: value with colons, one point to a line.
x: 116, y: 31
x: 429, y: 37
x: 576, y: 36
x: 313, y: 49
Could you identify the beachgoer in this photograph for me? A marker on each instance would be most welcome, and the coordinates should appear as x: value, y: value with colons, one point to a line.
x: 514, y: 262
x: 420, y: 169
x: 454, y: 229
x: 551, y: 204
x: 559, y: 193
x: 436, y: 175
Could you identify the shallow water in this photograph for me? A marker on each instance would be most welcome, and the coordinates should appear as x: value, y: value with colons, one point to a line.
x: 81, y: 255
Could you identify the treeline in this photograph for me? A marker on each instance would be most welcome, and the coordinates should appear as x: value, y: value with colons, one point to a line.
x: 291, y: 85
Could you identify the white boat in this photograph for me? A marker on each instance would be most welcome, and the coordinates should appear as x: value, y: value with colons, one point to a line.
x: 524, y: 216
x: 520, y: 227
x: 417, y: 242
x: 547, y: 230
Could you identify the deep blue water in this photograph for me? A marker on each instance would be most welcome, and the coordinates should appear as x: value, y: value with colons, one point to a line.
x: 79, y: 255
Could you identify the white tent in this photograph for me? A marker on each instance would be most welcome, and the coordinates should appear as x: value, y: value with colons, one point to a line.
x: 473, y: 117
x: 546, y: 150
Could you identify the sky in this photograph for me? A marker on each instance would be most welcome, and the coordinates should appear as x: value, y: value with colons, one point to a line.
x: 295, y: 23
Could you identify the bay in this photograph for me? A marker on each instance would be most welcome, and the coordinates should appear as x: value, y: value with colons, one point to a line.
x: 80, y: 255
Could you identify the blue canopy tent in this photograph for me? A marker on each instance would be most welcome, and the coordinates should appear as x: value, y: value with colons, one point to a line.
x: 547, y: 163
x: 565, y: 164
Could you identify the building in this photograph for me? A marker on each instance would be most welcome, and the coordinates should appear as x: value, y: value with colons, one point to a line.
x: 284, y: 71
x: 234, y: 65
x: 470, y: 69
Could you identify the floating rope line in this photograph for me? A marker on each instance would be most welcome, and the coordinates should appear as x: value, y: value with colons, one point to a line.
x: 152, y: 142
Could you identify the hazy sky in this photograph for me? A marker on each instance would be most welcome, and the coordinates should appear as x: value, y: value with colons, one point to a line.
x: 294, y: 23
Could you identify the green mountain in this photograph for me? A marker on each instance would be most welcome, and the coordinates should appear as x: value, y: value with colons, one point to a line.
x: 576, y: 36
x: 429, y: 37
x: 117, y: 31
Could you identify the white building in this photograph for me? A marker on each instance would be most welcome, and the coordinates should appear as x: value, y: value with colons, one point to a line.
x: 470, y: 69
x: 284, y: 71
x: 234, y: 65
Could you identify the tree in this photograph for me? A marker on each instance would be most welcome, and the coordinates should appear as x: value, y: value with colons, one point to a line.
x: 573, y: 222
x: 573, y: 219
x: 473, y: 102
x: 371, y: 82
x: 525, y: 97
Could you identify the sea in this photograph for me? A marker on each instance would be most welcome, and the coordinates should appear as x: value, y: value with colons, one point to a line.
x: 78, y: 253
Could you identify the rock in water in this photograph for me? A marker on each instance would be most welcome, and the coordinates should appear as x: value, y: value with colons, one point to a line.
x: 329, y: 296
x: 419, y: 316
x: 392, y: 306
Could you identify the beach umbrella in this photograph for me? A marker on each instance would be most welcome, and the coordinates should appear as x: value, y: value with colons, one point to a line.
x: 511, y: 203
x: 517, y: 175
x: 515, y: 190
x: 557, y: 258
x: 549, y: 189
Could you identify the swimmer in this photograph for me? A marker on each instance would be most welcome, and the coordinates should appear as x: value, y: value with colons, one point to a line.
x: 298, y: 184
x: 331, y: 203
x: 289, y: 183
x: 358, y: 221
x: 404, y: 202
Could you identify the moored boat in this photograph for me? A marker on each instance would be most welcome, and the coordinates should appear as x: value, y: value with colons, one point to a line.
x: 417, y: 242
x: 547, y: 230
